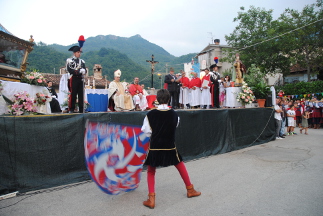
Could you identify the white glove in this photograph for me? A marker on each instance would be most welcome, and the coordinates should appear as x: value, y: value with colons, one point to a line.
x: 82, y: 71
x: 53, y: 96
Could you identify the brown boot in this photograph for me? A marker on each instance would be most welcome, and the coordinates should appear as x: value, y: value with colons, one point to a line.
x: 150, y: 202
x: 191, y: 192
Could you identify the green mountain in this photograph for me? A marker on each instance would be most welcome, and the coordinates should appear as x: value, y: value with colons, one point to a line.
x: 46, y: 59
x: 111, y: 60
x: 136, y: 48
x: 112, y: 52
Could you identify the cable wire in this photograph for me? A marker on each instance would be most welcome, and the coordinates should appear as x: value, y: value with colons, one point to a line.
x: 280, y: 35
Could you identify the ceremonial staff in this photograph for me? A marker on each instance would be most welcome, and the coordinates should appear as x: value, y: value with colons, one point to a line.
x: 81, y: 42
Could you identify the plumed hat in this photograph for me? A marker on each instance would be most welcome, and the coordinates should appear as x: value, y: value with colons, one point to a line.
x: 74, y: 49
x: 213, y: 66
x: 81, y: 41
x: 117, y: 73
x: 216, y: 59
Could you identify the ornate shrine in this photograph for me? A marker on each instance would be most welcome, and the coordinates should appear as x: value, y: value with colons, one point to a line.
x: 13, y: 55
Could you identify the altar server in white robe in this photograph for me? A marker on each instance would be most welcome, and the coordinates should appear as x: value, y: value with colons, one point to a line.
x: 206, y: 94
x: 139, y: 99
x: 195, y: 95
x: 118, y: 95
x: 184, y: 94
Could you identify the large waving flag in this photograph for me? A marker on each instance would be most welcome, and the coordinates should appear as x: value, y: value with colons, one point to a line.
x: 115, y: 155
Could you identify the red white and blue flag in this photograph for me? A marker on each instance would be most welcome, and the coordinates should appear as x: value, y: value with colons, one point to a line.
x: 115, y: 155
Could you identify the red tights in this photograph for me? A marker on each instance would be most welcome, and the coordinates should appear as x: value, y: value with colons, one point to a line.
x: 151, y: 176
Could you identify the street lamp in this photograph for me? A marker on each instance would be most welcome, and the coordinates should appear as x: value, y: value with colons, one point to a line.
x: 161, y: 80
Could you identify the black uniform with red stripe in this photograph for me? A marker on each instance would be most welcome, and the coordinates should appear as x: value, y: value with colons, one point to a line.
x: 76, y: 85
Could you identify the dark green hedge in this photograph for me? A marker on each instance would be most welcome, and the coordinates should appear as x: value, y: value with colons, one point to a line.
x: 301, y: 88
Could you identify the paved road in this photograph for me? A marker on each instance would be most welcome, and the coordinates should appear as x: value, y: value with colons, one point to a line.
x: 282, y: 177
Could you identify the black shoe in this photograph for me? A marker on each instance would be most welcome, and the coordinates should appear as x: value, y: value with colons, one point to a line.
x: 282, y: 136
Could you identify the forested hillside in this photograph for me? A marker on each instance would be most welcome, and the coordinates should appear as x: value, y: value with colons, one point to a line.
x: 112, y: 52
x: 136, y: 48
x: 111, y: 60
x: 46, y: 59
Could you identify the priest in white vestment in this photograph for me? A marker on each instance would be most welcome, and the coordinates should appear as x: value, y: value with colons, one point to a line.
x: 119, y: 97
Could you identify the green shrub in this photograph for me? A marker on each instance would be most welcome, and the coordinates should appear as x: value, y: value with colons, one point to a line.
x: 302, y: 88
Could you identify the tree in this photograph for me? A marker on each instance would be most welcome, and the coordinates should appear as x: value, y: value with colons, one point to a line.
x: 252, y: 39
x: 305, y: 42
x: 276, y: 45
x: 254, y: 76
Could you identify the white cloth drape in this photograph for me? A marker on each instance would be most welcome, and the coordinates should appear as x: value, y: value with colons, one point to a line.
x: 11, y: 88
x: 231, y: 97
x: 63, y: 89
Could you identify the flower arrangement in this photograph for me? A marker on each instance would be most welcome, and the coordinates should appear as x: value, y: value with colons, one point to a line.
x: 246, y: 95
x: 41, y: 99
x: 22, y: 104
x: 34, y: 78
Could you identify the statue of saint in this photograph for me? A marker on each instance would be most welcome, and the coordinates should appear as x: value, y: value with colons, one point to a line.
x: 240, y: 70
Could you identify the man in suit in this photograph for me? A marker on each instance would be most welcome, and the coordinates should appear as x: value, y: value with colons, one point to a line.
x: 173, y: 88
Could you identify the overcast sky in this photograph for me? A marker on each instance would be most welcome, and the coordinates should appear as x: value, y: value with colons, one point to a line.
x: 179, y: 26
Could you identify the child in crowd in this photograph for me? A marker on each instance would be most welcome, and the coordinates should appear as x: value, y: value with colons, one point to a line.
x: 222, y: 92
x: 290, y: 118
x: 281, y: 93
x: 305, y: 117
x: 298, y: 110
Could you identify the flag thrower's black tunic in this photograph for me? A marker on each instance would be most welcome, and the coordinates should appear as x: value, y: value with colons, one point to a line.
x: 162, y: 150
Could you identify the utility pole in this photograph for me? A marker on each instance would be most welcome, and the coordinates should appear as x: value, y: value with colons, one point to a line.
x: 211, y: 35
x: 166, y: 66
x: 152, y: 62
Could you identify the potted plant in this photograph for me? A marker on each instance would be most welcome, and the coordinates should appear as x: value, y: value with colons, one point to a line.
x: 261, y: 90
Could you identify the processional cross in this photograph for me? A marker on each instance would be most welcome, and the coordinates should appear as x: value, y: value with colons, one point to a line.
x: 152, y: 62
